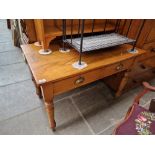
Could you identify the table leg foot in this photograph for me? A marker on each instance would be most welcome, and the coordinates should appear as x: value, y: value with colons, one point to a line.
x: 53, y: 129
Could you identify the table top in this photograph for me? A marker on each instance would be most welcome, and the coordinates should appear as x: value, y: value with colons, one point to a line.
x: 57, y: 66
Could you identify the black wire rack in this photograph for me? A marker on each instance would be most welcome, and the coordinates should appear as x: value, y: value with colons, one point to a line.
x: 95, y: 42
x: 98, y: 42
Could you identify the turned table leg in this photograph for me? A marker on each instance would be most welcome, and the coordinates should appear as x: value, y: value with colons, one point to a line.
x: 47, y: 92
x: 122, y: 84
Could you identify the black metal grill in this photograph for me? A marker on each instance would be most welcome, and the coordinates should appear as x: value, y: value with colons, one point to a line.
x: 97, y: 42
x: 94, y: 42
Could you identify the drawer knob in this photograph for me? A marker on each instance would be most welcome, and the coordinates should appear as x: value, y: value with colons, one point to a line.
x: 153, y: 50
x: 79, y: 80
x: 119, y: 67
x: 134, y: 81
x: 142, y: 66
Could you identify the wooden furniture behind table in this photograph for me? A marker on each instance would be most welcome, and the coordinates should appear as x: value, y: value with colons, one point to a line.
x: 8, y: 23
x: 28, y: 32
x: 144, y: 67
x: 47, y: 30
x: 53, y: 74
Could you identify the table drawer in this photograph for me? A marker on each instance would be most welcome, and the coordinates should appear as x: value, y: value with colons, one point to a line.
x: 91, y: 76
x: 151, y: 36
x: 150, y: 47
x: 139, y: 68
x: 77, y: 81
x: 150, y: 62
x: 118, y: 67
x: 139, y: 78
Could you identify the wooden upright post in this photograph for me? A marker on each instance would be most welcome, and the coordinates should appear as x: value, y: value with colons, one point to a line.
x: 39, y: 27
